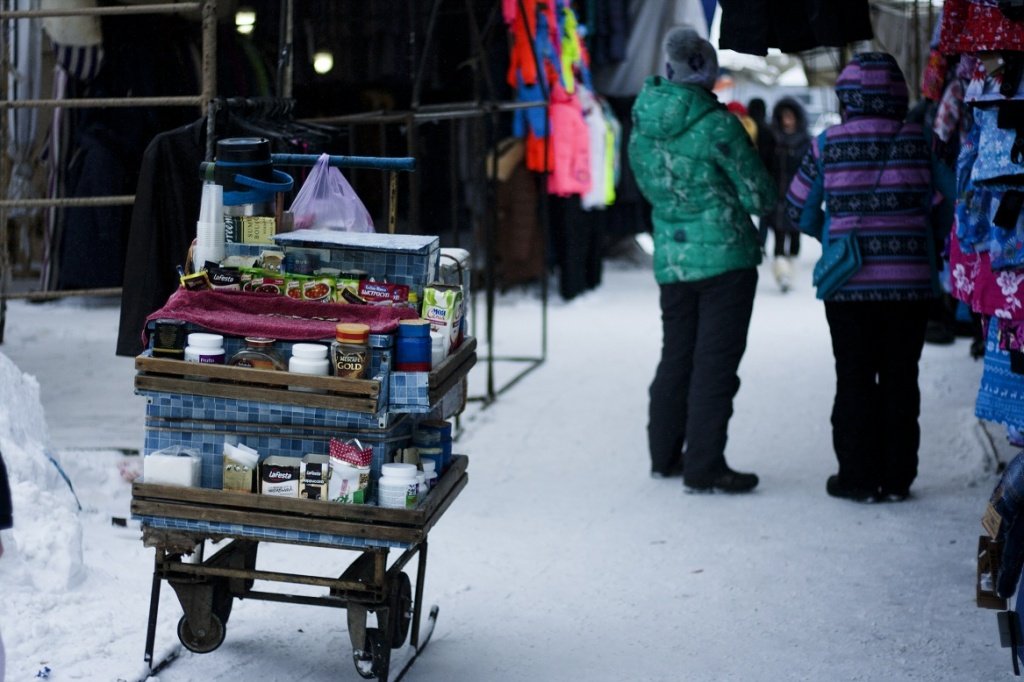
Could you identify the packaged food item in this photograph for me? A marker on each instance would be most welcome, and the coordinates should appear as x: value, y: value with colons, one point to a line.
x: 197, y: 281
x: 348, y: 484
x: 319, y: 289
x: 239, y: 469
x: 259, y: 353
x: 383, y: 292
x: 271, y: 259
x: 169, y: 338
x: 225, y: 278
x: 248, y: 229
x: 174, y: 465
x: 293, y: 286
x: 350, y: 352
x: 350, y: 472
x: 442, y: 306
x: 279, y: 476
x: 347, y: 286
x: 258, y: 281
x: 314, y: 473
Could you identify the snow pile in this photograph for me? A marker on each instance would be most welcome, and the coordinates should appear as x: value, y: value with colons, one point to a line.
x: 44, y: 548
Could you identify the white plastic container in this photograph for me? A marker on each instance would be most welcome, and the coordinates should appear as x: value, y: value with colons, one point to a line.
x: 421, y: 486
x: 182, y: 469
x: 205, y: 348
x: 437, y: 349
x: 397, y: 487
x: 429, y: 472
x: 309, y: 358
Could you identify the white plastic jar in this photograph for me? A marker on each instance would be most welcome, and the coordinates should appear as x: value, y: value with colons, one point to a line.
x: 207, y: 349
x: 309, y: 358
x: 397, y: 487
x: 437, y: 349
x: 429, y: 473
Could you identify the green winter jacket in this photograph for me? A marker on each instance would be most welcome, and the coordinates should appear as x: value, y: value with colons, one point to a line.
x: 696, y: 164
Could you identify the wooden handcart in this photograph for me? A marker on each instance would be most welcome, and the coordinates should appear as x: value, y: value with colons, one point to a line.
x: 177, y: 521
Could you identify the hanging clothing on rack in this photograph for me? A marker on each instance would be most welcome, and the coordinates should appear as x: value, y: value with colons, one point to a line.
x: 753, y: 26
x: 168, y: 195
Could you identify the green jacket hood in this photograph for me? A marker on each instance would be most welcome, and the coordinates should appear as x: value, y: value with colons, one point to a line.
x: 665, y: 109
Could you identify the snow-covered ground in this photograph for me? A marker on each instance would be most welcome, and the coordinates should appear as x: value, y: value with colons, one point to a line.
x: 562, y: 559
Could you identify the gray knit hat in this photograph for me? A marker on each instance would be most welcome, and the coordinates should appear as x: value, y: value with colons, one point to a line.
x: 689, y: 58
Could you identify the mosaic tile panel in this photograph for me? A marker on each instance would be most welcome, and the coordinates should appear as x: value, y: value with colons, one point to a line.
x: 203, y: 423
x: 401, y: 259
x: 409, y: 392
x: 267, y: 534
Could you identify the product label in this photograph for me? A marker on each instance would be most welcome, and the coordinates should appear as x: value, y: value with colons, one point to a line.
x: 348, y: 484
x: 314, y: 475
x: 378, y: 292
x: 280, y: 478
x: 350, y: 364
x: 442, y: 305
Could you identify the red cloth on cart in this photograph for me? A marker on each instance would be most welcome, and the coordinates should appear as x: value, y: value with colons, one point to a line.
x: 242, y: 313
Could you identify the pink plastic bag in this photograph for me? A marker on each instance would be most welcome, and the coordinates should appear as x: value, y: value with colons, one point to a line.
x: 327, y: 202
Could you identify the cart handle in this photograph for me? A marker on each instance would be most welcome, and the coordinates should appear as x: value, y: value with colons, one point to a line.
x: 385, y: 163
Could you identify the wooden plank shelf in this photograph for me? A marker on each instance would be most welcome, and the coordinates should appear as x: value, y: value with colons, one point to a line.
x: 247, y: 383
x: 285, y: 513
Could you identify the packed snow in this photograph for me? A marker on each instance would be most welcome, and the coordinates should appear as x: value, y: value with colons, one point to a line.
x: 562, y: 559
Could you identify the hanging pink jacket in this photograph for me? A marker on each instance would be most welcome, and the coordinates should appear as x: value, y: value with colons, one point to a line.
x: 570, y: 145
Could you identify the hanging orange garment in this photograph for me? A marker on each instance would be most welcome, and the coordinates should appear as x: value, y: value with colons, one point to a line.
x: 521, y: 62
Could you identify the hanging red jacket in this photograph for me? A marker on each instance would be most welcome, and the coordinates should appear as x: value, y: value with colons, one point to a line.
x: 521, y: 61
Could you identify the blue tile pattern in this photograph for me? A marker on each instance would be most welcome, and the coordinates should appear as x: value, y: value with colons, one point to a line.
x: 267, y: 534
x: 409, y: 392
x: 203, y: 423
x: 400, y: 259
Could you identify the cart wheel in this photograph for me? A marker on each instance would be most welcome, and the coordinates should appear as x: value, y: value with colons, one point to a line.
x: 372, y: 660
x: 400, y: 610
x: 208, y: 641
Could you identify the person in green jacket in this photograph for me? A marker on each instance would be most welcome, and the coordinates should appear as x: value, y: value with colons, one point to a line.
x: 697, y: 166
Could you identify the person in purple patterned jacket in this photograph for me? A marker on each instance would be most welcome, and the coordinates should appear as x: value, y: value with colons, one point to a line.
x: 873, y: 176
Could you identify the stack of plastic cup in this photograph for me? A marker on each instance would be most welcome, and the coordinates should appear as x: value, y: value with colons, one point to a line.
x: 209, y: 227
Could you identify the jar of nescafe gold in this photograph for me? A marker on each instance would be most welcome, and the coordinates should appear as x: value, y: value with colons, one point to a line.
x: 350, y: 352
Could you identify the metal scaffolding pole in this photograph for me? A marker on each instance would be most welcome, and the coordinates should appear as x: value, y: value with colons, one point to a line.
x: 8, y: 16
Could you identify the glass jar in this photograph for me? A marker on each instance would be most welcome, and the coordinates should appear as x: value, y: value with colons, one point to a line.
x: 259, y: 353
x: 350, y: 352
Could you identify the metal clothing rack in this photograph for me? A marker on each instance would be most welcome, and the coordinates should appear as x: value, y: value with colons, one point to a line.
x: 207, y: 8
x: 486, y: 110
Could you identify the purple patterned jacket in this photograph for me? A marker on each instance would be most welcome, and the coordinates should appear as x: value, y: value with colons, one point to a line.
x: 873, y: 176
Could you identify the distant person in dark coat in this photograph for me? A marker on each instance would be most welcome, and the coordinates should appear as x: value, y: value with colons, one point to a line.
x: 758, y: 111
x: 789, y: 130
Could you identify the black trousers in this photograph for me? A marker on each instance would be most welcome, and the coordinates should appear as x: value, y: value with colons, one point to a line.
x: 704, y: 335
x: 877, y: 346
